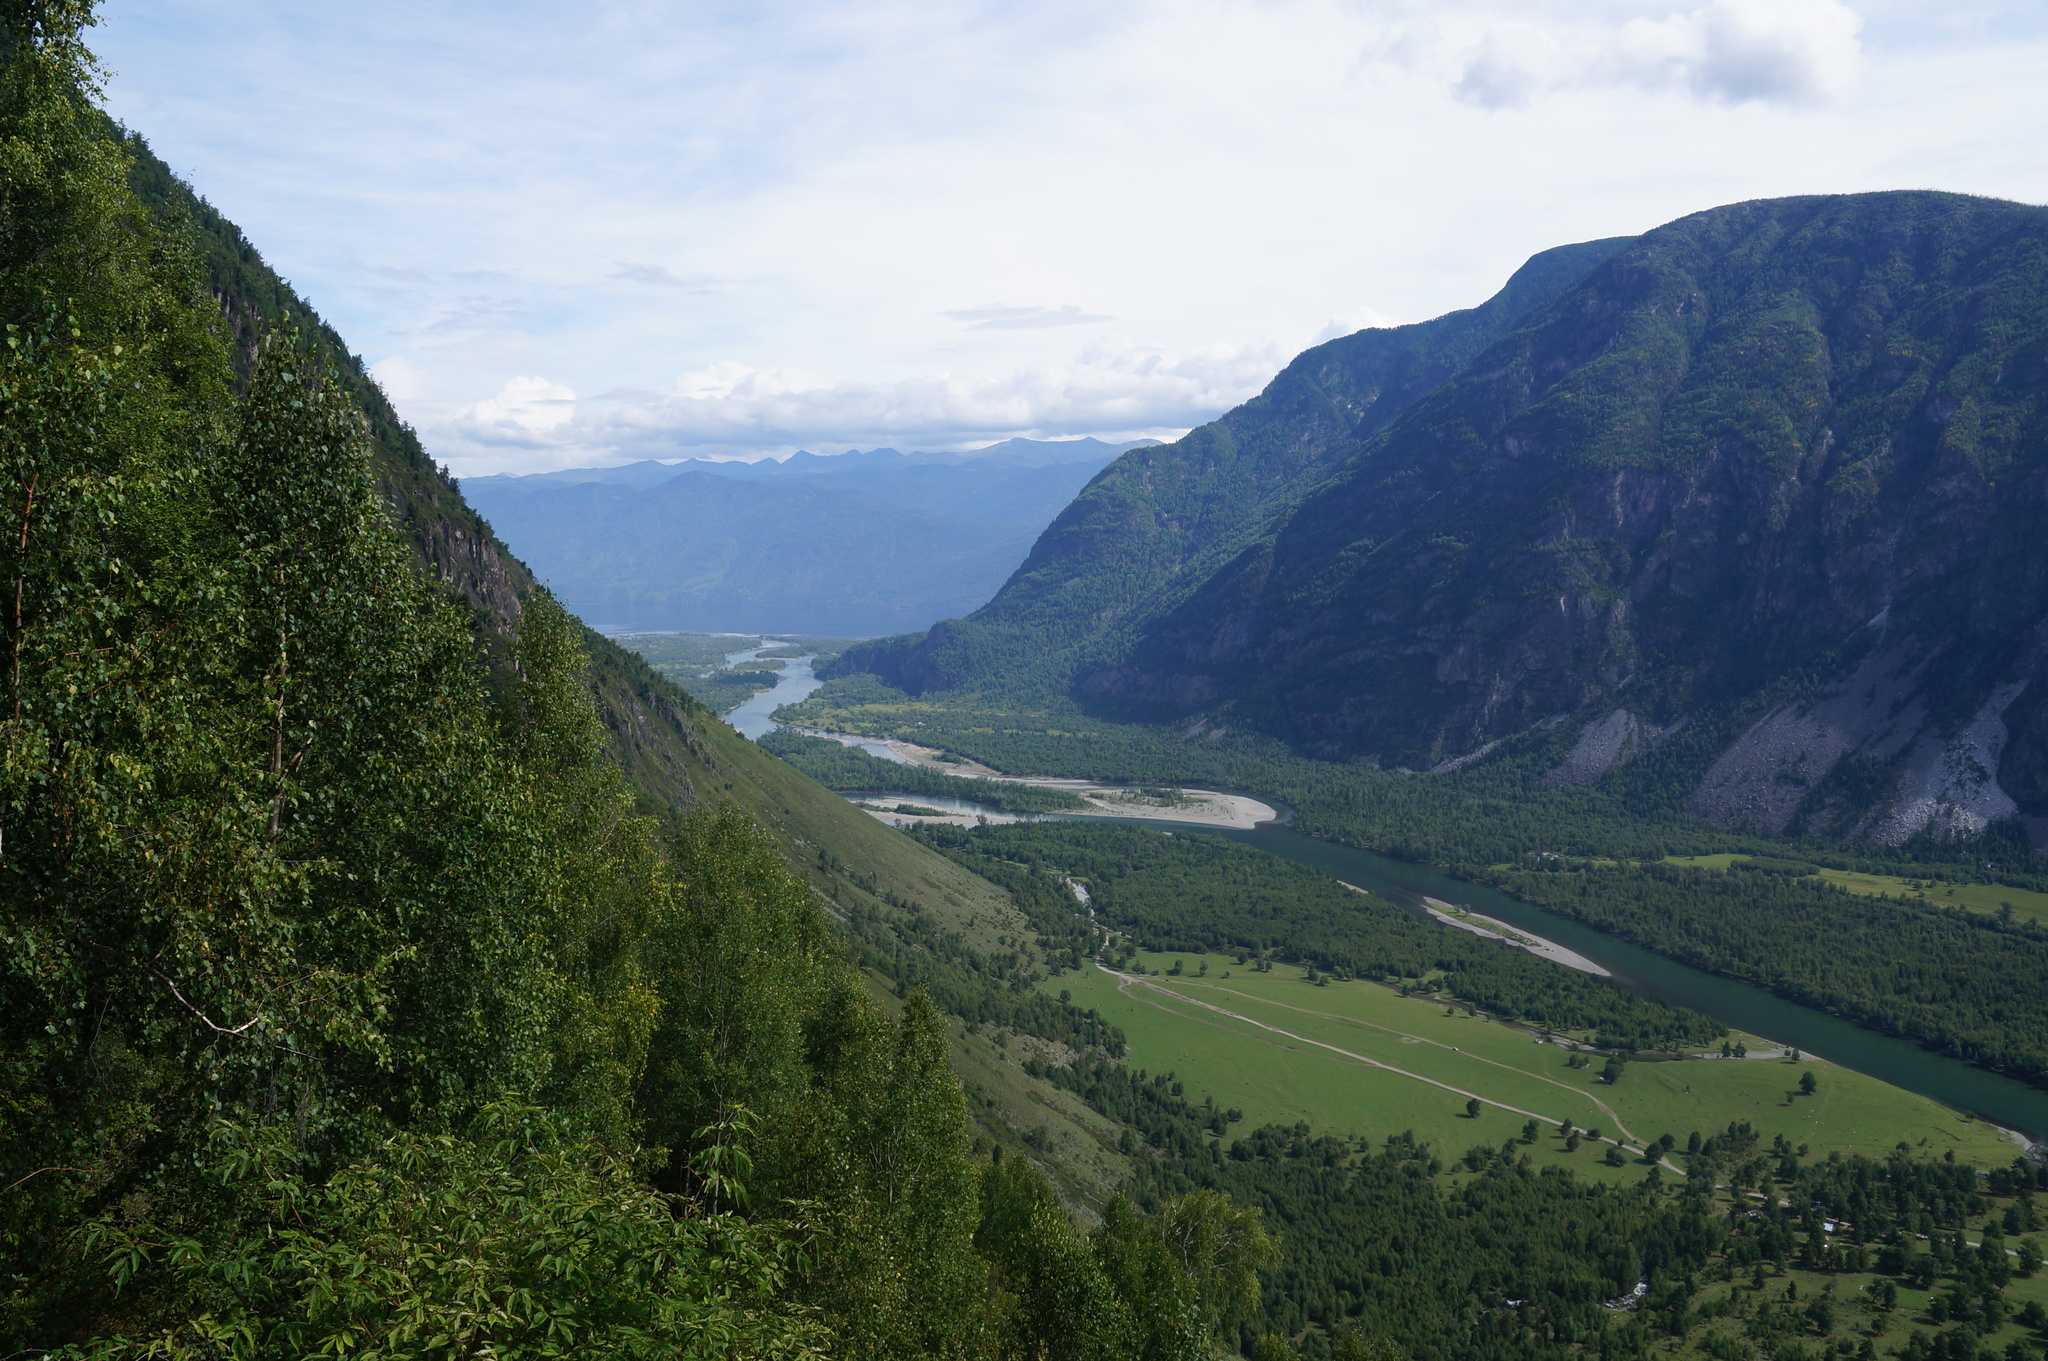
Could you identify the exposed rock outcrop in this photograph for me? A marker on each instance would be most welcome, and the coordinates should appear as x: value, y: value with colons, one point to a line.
x: 1605, y: 744
x: 1953, y: 787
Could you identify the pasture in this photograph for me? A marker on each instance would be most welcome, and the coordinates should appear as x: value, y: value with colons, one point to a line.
x: 1283, y: 1050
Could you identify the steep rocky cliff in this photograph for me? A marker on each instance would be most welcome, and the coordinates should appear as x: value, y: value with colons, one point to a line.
x: 1779, y: 469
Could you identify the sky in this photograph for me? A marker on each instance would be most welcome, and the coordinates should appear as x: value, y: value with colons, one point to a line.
x: 571, y: 235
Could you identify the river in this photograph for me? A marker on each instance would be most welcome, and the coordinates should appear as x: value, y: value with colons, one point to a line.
x: 793, y: 683
x: 1953, y: 1082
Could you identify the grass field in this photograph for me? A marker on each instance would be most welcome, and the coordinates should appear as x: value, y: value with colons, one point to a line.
x: 1951, y: 893
x: 1288, y: 1077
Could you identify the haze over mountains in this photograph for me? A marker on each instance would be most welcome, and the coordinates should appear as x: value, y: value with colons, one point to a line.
x: 1773, y: 475
x: 850, y: 545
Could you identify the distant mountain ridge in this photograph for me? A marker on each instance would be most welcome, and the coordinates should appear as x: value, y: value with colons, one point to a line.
x: 848, y: 545
x: 1779, y: 469
x: 1010, y: 453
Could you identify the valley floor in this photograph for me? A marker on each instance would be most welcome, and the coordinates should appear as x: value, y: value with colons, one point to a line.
x: 1359, y: 1059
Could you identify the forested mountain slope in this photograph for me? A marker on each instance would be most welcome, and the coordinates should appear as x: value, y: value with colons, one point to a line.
x: 678, y: 756
x: 353, y: 1001
x: 1777, y: 469
x: 345, y: 998
x: 1797, y: 444
x: 1154, y: 524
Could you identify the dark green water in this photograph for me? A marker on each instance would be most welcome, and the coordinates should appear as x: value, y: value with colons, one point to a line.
x: 1899, y: 1062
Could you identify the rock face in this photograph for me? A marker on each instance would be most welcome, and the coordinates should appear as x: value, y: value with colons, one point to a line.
x: 1604, y: 744
x: 1786, y: 459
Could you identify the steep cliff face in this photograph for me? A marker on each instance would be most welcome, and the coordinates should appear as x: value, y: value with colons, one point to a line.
x: 1159, y: 521
x: 1785, y: 458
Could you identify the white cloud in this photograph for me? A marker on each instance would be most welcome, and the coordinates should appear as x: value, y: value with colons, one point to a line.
x: 1733, y: 51
x: 657, y: 276
x: 402, y: 379
x: 730, y: 380
x: 1515, y: 62
x: 1790, y: 52
x: 730, y: 409
x: 522, y: 411
x: 792, y: 201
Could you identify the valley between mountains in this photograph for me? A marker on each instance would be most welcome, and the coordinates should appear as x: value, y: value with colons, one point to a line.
x: 396, y: 965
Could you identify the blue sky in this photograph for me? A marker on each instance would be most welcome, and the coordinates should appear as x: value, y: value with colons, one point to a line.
x: 590, y: 233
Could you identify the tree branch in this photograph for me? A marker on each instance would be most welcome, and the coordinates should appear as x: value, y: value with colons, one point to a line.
x: 217, y: 1029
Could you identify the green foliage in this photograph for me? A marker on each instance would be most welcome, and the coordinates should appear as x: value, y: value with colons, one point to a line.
x: 1222, y: 1247
x: 1813, y: 357
x: 1143, y: 1270
x: 1582, y: 853
x: 1950, y: 979
x: 1169, y: 1286
x: 1374, y: 1243
x: 738, y: 958
x: 300, y: 914
x: 1510, y: 1234
x: 272, y: 860
x: 1060, y: 1302
x: 725, y: 690
x: 506, y: 1240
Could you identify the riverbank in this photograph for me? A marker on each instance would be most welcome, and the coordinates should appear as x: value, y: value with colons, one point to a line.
x: 1494, y: 929
x: 1208, y: 808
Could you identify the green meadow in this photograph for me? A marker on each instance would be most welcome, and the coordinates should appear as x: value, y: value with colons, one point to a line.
x: 1291, y: 1051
